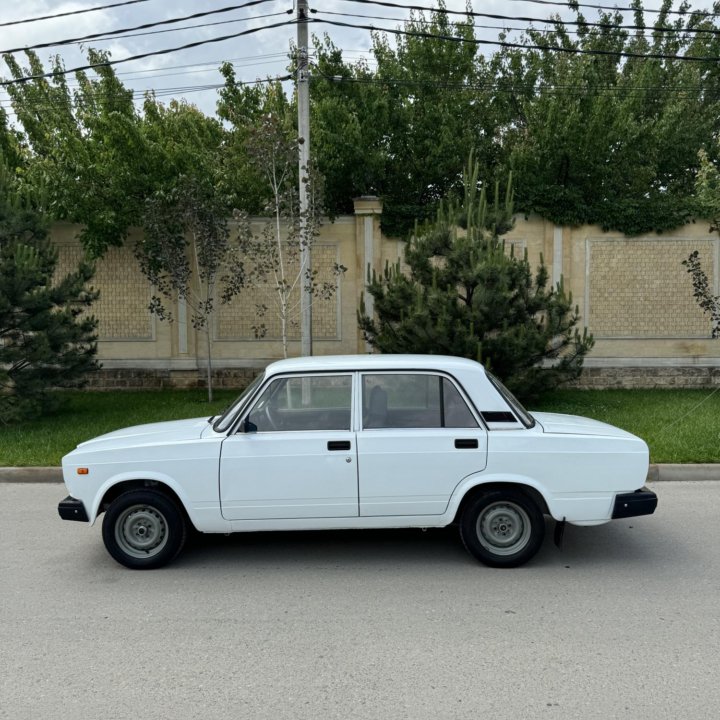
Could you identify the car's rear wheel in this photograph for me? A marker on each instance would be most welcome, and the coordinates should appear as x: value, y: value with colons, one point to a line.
x: 502, y: 528
x: 144, y: 529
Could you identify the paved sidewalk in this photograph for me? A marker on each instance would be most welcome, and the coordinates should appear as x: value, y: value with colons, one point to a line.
x: 657, y: 473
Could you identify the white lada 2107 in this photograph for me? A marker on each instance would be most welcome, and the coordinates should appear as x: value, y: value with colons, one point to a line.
x: 367, y: 441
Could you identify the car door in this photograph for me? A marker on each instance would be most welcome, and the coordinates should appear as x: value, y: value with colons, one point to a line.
x: 294, y: 454
x: 419, y: 438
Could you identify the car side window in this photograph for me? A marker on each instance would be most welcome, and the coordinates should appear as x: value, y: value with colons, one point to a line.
x: 308, y: 402
x: 413, y: 400
x: 456, y: 412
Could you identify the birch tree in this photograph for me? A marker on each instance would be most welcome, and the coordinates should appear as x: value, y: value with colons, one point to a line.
x: 272, y: 256
x: 185, y: 253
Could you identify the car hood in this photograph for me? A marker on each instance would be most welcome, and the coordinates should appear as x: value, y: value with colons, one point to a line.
x: 172, y: 431
x: 559, y: 424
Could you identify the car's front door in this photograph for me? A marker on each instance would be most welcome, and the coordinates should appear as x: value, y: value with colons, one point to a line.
x: 419, y: 439
x: 294, y: 455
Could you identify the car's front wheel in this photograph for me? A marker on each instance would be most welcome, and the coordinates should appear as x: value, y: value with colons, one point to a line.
x: 502, y: 528
x: 144, y: 529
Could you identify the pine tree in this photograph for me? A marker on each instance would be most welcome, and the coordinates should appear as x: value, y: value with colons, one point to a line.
x: 45, y: 340
x: 463, y: 294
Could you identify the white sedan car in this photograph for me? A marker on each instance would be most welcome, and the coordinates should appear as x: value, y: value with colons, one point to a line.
x: 367, y: 441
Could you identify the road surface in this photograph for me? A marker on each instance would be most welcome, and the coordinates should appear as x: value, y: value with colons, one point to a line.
x: 622, y: 623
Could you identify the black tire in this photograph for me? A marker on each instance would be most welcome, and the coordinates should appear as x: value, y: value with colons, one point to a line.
x: 144, y: 529
x: 502, y: 528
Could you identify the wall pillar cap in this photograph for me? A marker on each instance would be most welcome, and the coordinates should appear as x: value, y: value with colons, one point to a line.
x: 368, y: 205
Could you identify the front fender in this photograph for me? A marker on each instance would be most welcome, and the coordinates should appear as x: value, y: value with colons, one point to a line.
x: 152, y: 476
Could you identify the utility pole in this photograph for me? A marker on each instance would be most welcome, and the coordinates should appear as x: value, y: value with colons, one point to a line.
x: 303, y: 91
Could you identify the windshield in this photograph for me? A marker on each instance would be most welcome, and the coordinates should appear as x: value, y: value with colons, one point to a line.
x: 225, y: 420
x: 525, y: 417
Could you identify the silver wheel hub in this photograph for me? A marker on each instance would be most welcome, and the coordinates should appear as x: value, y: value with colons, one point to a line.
x: 503, y: 528
x: 141, y: 531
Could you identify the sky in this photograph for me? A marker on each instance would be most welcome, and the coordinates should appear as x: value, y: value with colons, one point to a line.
x: 193, y: 73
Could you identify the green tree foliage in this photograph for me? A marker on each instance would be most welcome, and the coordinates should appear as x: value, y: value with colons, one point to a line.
x: 12, y: 147
x: 98, y: 156
x: 274, y: 255
x: 245, y: 108
x: 709, y: 303
x: 465, y: 295
x: 707, y: 186
x: 599, y: 139
x: 185, y: 251
x: 708, y: 191
x: 596, y: 139
x: 351, y: 123
x: 607, y: 140
x: 181, y: 140
x: 47, y: 339
x: 403, y: 130
x: 87, y: 146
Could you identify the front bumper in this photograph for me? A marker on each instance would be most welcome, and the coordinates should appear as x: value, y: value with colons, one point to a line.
x: 72, y: 509
x: 640, y: 502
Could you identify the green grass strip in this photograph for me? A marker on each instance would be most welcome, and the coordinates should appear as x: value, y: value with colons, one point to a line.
x: 680, y: 426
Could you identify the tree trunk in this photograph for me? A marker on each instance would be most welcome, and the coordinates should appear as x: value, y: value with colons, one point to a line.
x: 283, y: 331
x: 209, y: 364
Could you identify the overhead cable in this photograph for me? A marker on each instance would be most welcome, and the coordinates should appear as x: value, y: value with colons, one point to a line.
x: 614, y: 8
x: 107, y: 63
x: 519, y: 18
x: 548, y: 21
x: 70, y: 12
x: 520, y: 46
x: 701, y: 13
x: 144, y: 26
x: 190, y: 27
x: 156, y: 92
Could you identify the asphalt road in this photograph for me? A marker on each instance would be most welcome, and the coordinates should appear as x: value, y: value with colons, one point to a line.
x: 624, y: 622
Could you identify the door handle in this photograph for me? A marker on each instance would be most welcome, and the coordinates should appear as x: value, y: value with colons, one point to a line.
x: 338, y: 445
x: 466, y: 444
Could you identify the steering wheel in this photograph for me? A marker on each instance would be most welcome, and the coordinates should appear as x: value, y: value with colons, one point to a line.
x: 269, y: 417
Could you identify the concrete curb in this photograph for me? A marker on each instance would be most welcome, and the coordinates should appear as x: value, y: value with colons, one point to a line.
x: 657, y: 473
x: 683, y: 473
x: 31, y: 475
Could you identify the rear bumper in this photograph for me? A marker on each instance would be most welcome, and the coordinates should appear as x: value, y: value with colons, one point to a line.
x: 72, y: 509
x: 640, y: 502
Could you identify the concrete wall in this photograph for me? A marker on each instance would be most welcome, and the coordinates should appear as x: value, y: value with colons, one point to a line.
x: 633, y: 294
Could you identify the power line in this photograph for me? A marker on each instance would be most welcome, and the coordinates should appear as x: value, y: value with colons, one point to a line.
x: 200, y: 70
x: 494, y: 88
x: 506, y: 27
x: 566, y: 3
x: 195, y: 68
x: 201, y: 64
x: 74, y: 86
x: 518, y: 18
x: 700, y: 13
x: 521, y: 46
x: 144, y: 26
x: 70, y: 12
x: 157, y: 92
x: 187, y: 27
x: 107, y: 63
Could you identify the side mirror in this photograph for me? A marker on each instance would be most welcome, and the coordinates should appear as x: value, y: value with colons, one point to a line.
x: 249, y: 427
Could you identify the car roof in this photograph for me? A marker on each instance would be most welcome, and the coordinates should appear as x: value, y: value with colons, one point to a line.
x: 373, y: 362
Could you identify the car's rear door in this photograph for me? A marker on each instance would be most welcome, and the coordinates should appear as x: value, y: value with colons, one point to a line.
x: 419, y: 438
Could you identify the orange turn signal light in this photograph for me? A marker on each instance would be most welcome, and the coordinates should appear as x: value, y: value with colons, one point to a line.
x: 83, y: 471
